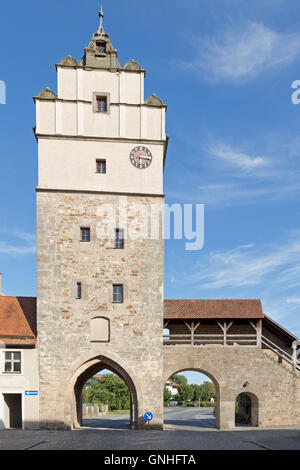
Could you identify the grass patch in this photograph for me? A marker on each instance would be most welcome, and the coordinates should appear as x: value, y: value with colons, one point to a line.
x: 119, y: 412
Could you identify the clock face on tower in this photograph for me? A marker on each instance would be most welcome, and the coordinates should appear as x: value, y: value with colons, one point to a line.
x: 141, y: 157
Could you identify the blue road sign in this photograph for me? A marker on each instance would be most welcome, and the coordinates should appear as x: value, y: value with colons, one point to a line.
x: 31, y: 392
x: 148, y: 416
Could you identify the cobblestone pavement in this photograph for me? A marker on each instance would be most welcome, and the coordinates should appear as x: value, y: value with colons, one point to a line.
x: 89, y: 439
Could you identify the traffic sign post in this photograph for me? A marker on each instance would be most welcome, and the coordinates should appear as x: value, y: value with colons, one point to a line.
x: 148, y: 416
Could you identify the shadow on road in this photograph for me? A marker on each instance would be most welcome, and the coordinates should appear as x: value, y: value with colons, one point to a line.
x: 108, y: 422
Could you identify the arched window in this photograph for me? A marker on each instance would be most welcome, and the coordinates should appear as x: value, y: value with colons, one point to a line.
x: 100, y: 330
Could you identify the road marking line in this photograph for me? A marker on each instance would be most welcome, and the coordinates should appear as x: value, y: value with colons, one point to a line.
x: 34, y: 445
x: 260, y: 445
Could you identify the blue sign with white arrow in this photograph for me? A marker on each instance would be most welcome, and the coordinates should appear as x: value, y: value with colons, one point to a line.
x: 31, y: 393
x: 148, y: 416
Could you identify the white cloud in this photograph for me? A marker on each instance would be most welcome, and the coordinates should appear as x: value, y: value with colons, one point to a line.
x: 244, y: 53
x: 293, y: 300
x: 232, y: 193
x: 247, y: 265
x: 28, y: 237
x: 234, y: 157
x: 238, y: 177
x: 17, y: 249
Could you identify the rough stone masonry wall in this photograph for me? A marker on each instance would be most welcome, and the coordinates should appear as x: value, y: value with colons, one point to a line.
x: 275, y: 385
x: 64, y: 322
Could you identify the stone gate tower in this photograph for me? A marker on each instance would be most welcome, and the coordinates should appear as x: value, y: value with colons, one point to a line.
x: 101, y: 151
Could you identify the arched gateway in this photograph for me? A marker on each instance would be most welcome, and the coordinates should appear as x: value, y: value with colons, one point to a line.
x: 83, y: 373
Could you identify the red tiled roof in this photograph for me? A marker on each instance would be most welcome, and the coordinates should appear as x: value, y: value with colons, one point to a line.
x: 18, y: 314
x: 17, y: 320
x: 98, y: 377
x: 174, y: 384
x: 218, y: 309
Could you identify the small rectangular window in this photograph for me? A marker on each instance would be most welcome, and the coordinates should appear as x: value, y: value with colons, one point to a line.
x: 119, y: 242
x: 85, y: 234
x: 101, y: 166
x: 101, y: 104
x: 12, y: 362
x: 118, y: 294
x: 78, y: 293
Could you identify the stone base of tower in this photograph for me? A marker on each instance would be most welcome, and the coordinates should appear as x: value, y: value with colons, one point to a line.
x: 60, y: 411
x: 80, y: 337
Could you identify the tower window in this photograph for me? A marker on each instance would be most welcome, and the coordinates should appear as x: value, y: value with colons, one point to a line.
x: 85, y: 234
x: 100, y: 47
x: 101, y: 104
x: 119, y: 241
x: 101, y: 166
x: 78, y: 291
x: 118, y: 295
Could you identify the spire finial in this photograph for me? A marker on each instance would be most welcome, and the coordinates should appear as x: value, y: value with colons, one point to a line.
x: 101, y: 15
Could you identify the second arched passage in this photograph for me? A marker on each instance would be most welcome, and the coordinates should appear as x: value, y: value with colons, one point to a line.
x: 193, y: 407
x: 88, y: 370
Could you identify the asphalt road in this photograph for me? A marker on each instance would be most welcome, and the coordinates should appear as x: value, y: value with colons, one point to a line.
x: 185, y: 429
x: 189, y: 418
x: 175, y: 418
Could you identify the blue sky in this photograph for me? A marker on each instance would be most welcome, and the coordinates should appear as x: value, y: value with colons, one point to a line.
x: 225, y: 69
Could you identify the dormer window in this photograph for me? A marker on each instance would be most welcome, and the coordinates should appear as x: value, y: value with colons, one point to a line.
x: 101, y: 102
x: 101, y: 48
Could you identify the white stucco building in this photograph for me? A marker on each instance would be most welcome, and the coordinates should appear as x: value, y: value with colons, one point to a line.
x: 172, y: 387
x: 19, y: 381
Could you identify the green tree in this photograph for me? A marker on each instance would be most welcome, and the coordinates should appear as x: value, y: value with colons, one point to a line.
x: 167, y: 395
x: 208, y: 391
x: 196, y: 392
x: 85, y: 394
x: 111, y: 389
x: 179, y: 379
x: 185, y: 392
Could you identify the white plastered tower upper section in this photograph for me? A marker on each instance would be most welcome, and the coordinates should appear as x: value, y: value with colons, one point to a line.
x: 72, y: 135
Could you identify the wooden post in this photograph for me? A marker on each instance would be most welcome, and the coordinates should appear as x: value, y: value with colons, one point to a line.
x: 192, y: 329
x: 258, y: 329
x: 195, y: 326
x: 225, y: 328
x: 192, y: 333
x: 259, y: 333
